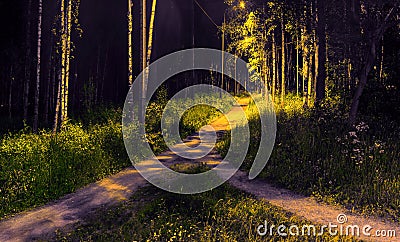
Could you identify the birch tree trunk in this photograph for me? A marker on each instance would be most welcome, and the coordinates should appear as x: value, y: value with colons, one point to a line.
x: 67, y: 58
x: 37, y: 89
x: 130, y: 44
x: 283, y: 84
x: 63, y: 62
x: 143, y: 23
x: 149, y: 45
x: 273, y: 67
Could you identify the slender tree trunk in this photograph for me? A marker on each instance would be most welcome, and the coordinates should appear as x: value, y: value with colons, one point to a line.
x: 305, y: 64
x: 27, y: 62
x: 363, y: 82
x: 321, y: 52
x: 63, y: 60
x: 316, y: 64
x: 283, y: 85
x: 130, y: 44
x: 223, y: 58
x: 274, y: 78
x: 142, y: 110
x: 68, y: 58
x: 382, y: 61
x: 150, y: 42
x: 39, y: 48
x: 310, y: 80
x: 237, y: 87
x: 297, y: 65
x: 151, y: 32
x: 370, y: 60
x: 58, y: 106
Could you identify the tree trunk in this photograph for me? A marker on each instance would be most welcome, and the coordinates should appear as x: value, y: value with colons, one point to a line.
x: 150, y: 42
x: 363, y: 82
x: 273, y: 67
x: 283, y: 85
x: 321, y: 52
x: 310, y: 80
x: 305, y: 63
x: 67, y: 59
x: 63, y: 60
x: 297, y: 65
x: 37, y: 89
x: 143, y: 23
x: 58, y: 106
x: 27, y: 63
x: 370, y: 60
x: 382, y: 59
x: 130, y: 44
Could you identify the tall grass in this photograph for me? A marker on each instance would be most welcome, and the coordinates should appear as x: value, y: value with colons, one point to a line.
x: 37, y: 168
x: 317, y: 153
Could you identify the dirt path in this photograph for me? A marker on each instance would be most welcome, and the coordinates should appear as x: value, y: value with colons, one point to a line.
x: 75, y: 207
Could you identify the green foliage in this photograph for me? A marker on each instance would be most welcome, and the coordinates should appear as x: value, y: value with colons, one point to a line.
x: 36, y: 168
x: 356, y: 167
x: 224, y: 214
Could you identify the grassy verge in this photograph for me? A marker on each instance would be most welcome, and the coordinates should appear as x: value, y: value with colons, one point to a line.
x: 224, y: 214
x: 38, y: 168
x: 317, y: 154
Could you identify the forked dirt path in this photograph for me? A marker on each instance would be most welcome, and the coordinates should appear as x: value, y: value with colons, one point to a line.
x: 32, y: 225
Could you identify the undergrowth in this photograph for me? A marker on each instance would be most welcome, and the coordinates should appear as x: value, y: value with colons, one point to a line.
x: 38, y: 168
x: 317, y: 153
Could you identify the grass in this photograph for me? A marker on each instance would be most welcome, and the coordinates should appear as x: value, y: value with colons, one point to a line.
x: 38, y: 168
x: 224, y: 214
x: 356, y: 167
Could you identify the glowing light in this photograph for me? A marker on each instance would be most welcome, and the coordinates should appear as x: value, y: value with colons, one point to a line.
x: 242, y: 4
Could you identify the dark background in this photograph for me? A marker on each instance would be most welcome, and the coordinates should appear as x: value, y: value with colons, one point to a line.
x: 179, y: 24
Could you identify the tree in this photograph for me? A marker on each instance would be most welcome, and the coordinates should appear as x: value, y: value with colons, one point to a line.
x: 68, y: 16
x: 151, y: 33
x: 37, y: 89
x: 130, y: 45
x: 143, y: 55
x: 27, y: 62
x: 283, y: 69
x: 321, y: 51
x: 374, y: 35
